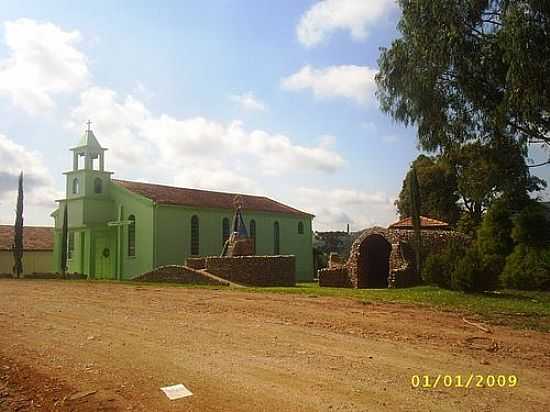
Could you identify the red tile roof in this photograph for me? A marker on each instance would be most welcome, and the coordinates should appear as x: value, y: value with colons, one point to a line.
x: 205, y: 198
x: 425, y: 222
x: 34, y: 237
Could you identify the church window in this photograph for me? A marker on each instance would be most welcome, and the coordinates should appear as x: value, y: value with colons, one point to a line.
x: 300, y: 228
x: 253, y: 234
x: 76, y: 186
x: 225, y: 229
x: 98, y: 185
x: 195, y: 235
x: 132, y: 236
x: 70, y: 246
x: 276, y: 239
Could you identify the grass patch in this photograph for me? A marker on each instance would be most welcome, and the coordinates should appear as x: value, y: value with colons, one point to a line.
x: 520, y: 309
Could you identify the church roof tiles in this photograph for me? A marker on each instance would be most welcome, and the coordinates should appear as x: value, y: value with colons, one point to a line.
x: 205, y: 198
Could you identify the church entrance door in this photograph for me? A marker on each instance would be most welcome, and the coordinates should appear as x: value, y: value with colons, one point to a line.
x: 103, y: 259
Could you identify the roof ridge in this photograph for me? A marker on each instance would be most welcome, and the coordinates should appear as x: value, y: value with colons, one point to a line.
x: 189, y: 188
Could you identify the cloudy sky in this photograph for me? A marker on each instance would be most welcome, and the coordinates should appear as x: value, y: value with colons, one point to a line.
x: 263, y: 97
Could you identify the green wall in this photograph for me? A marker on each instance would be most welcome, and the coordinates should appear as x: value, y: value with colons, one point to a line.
x: 126, y: 204
x: 173, y: 235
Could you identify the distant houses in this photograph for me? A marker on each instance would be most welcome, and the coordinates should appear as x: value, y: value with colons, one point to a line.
x: 37, y: 249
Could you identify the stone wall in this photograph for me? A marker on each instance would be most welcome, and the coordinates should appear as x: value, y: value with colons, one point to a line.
x: 178, y: 274
x: 196, y: 263
x: 335, y: 261
x: 402, y: 271
x: 334, y: 278
x: 255, y: 270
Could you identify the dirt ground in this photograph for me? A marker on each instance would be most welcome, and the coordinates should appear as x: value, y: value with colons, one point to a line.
x: 84, y: 346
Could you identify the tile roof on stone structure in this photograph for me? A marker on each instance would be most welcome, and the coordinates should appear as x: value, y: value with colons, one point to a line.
x: 425, y: 223
x: 34, y: 237
x: 205, y: 198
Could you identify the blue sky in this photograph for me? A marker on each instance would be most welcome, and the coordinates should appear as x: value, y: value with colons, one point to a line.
x: 273, y: 98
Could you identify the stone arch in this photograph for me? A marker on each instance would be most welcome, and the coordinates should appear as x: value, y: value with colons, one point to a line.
x: 358, y: 276
x: 373, y: 266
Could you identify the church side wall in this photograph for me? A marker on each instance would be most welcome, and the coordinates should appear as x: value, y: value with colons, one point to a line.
x: 173, y: 235
x: 142, y: 209
x: 173, y: 232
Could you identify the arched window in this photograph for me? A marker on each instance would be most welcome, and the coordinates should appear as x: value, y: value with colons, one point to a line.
x: 76, y: 186
x: 132, y: 236
x: 98, y: 185
x: 225, y: 230
x: 195, y: 235
x: 253, y: 235
x: 276, y: 239
x: 300, y: 228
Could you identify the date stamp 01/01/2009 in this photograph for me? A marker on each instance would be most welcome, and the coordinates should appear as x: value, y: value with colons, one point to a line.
x: 464, y: 381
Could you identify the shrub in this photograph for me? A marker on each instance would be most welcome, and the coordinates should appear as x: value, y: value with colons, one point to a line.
x: 494, y: 234
x: 527, y: 268
x: 436, y: 271
x: 437, y: 268
x: 476, y: 272
x: 531, y: 227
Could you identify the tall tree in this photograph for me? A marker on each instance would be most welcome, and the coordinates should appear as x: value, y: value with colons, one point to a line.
x: 416, y: 205
x: 470, y: 71
x: 64, y: 241
x: 18, y: 231
x: 437, y: 187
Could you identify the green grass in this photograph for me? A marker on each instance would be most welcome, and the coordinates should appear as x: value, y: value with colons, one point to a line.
x: 520, y: 309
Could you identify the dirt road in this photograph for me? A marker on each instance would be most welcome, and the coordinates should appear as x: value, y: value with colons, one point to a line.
x: 97, y: 346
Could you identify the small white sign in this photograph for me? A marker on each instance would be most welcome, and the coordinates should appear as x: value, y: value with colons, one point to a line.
x: 176, y: 391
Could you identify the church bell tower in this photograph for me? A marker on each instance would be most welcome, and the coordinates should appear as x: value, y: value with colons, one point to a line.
x: 88, y: 178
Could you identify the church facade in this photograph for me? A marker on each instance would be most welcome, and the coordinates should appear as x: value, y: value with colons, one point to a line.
x: 121, y: 229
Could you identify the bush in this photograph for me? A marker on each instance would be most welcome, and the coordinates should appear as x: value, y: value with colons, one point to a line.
x: 494, y: 234
x: 436, y: 271
x: 476, y: 272
x: 531, y: 227
x: 527, y: 268
x: 437, y: 268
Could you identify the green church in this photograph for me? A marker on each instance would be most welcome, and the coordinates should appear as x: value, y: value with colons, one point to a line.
x: 120, y: 229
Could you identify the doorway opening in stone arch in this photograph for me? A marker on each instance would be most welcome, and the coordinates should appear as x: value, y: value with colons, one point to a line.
x: 374, y: 262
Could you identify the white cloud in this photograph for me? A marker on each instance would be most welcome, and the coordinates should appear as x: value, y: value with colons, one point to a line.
x: 247, y: 101
x: 222, y: 179
x: 195, y: 150
x: 357, y: 16
x: 335, y: 208
x: 43, y: 62
x: 352, y: 82
x: 39, y: 187
x: 390, y: 139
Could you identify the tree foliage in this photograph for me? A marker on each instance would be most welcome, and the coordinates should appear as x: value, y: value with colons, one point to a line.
x: 416, y: 205
x: 437, y: 188
x: 495, y: 233
x: 18, y: 231
x: 470, y: 70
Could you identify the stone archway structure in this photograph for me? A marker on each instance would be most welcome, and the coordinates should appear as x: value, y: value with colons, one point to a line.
x: 371, y: 256
x: 382, y: 257
x: 373, y: 266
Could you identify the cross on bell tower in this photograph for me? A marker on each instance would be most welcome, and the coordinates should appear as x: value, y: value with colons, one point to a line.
x: 90, y: 149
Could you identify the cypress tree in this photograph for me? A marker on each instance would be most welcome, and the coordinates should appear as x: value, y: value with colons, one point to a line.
x: 18, y: 231
x: 415, y: 216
